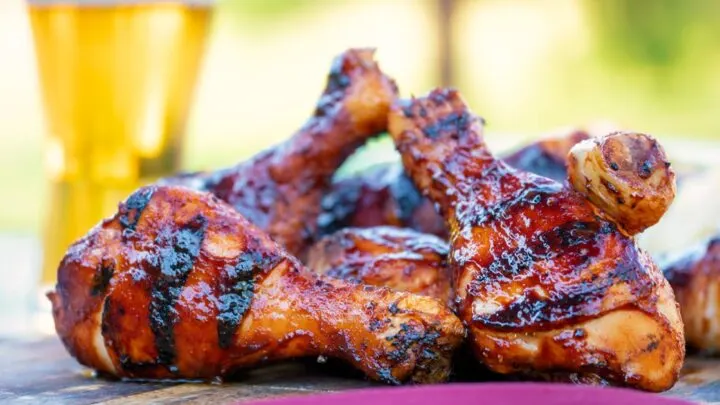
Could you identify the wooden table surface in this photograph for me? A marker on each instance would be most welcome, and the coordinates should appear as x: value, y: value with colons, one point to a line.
x: 40, y: 371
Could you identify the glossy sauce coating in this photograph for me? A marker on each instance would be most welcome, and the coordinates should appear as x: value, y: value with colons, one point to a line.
x: 380, y: 195
x: 280, y: 189
x: 178, y: 284
x: 398, y: 258
x: 695, y: 278
x: 545, y: 286
x: 384, y: 195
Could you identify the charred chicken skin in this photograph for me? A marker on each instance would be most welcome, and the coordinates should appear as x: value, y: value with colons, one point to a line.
x: 280, y: 189
x: 178, y: 284
x: 384, y: 195
x: 545, y: 285
x: 695, y: 278
x: 401, y: 259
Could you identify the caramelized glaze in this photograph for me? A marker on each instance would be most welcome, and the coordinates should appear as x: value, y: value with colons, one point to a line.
x: 280, y: 189
x: 401, y: 259
x: 384, y: 195
x: 695, y: 278
x: 545, y: 286
x: 179, y: 285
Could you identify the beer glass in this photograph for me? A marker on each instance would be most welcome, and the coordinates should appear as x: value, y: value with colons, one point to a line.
x: 117, y: 79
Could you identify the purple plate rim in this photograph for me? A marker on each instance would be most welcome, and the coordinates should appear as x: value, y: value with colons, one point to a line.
x: 511, y: 391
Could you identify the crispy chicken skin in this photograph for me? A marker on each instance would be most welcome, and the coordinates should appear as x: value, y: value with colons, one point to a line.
x: 626, y: 175
x: 384, y: 195
x: 178, y: 284
x: 401, y: 259
x: 544, y: 285
x: 280, y: 189
x: 695, y: 278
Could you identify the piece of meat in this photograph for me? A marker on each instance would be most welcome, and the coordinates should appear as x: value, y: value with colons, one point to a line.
x: 545, y: 286
x: 695, y: 278
x: 384, y: 195
x: 380, y: 195
x: 626, y: 175
x: 280, y: 189
x: 178, y: 284
x: 548, y: 156
x: 398, y: 258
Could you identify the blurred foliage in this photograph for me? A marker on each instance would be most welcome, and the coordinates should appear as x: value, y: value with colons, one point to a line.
x: 527, y: 66
x: 675, y: 46
x: 271, y: 9
x: 647, y: 65
x: 669, y: 39
x: 266, y: 15
x: 645, y: 32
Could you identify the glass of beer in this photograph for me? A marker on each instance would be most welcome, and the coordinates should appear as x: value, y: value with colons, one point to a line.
x: 117, y: 79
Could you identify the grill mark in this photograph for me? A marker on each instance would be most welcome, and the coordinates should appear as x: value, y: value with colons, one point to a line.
x: 539, y: 195
x: 572, y: 302
x: 101, y: 278
x: 532, y: 310
x: 338, y: 81
x: 455, y: 125
x: 509, y: 264
x: 578, y: 240
x: 569, y: 238
x: 171, y: 264
x: 112, y: 313
x: 132, y: 210
x: 570, y: 235
x: 410, y: 335
x: 237, y: 290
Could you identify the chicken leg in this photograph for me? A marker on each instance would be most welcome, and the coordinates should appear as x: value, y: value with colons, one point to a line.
x: 384, y: 195
x: 401, y: 259
x: 694, y: 275
x: 545, y: 286
x: 280, y: 189
x: 177, y: 284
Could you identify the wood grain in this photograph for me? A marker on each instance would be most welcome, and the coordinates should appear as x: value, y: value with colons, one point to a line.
x: 41, y: 372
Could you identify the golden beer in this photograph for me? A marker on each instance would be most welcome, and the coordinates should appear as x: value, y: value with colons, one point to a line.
x: 117, y: 80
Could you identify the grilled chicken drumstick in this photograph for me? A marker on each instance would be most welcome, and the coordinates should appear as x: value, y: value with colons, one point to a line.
x: 627, y: 175
x: 695, y: 278
x: 280, y: 189
x: 384, y: 195
x: 178, y: 284
x: 401, y: 259
x: 545, y: 286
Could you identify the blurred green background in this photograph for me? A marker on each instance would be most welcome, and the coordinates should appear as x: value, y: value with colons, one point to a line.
x: 527, y: 66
